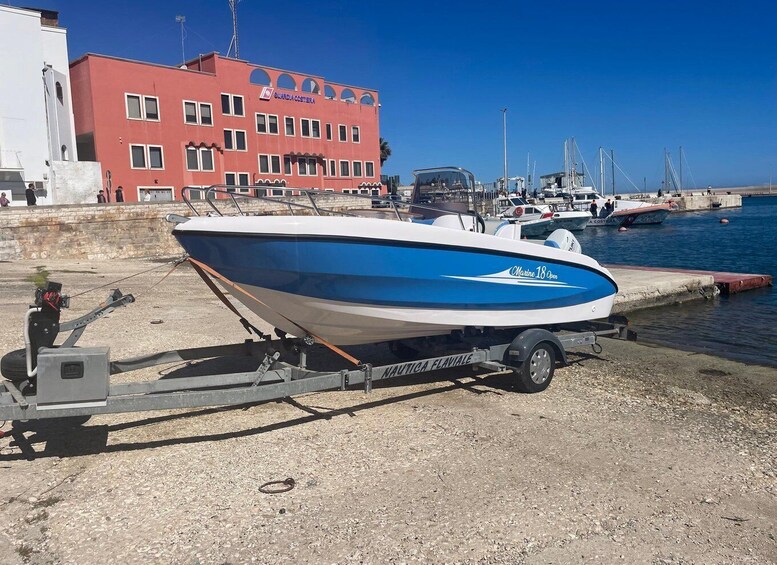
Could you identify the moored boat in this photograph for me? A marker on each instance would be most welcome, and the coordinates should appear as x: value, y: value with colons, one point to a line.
x: 352, y: 280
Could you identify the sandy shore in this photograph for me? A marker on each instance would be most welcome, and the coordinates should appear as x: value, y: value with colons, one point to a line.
x: 637, y: 454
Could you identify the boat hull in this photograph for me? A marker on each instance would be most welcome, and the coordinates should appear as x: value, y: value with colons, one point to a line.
x: 647, y: 215
x: 336, y: 279
x: 570, y: 222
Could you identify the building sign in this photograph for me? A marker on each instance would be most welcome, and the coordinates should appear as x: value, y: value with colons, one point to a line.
x: 269, y: 93
x: 295, y: 98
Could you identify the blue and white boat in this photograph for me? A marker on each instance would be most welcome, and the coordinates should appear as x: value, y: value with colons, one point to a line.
x: 352, y: 280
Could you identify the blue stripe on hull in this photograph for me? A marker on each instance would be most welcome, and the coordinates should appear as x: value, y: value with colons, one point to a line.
x: 379, y: 273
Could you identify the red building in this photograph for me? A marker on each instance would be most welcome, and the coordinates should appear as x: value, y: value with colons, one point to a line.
x: 222, y: 121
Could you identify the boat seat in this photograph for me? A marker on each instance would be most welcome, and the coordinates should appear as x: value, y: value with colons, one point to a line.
x: 509, y: 230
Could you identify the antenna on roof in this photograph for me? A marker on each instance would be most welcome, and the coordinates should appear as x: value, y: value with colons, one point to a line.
x: 233, y: 8
x: 181, y: 20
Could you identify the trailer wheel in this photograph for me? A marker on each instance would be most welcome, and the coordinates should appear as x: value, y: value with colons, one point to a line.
x: 536, y: 372
x: 13, y: 365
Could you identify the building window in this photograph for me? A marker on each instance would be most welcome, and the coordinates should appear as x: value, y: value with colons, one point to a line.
x: 267, y: 123
x: 199, y: 159
x: 197, y: 113
x: 329, y: 132
x: 234, y: 140
x: 345, y: 169
x: 236, y: 179
x: 307, y: 166
x: 192, y: 161
x: 343, y: 133
x: 206, y: 114
x: 146, y: 157
x: 355, y: 134
x: 142, y: 107
x: 272, y: 164
x: 152, y: 108
x: 155, y: 157
x: 332, y: 168
x: 232, y: 105
x: 190, y: 112
x: 289, y: 126
x: 311, y: 128
x: 357, y: 168
x: 286, y: 165
x: 206, y: 159
x: 138, y: 156
x: 60, y: 94
x: 369, y: 169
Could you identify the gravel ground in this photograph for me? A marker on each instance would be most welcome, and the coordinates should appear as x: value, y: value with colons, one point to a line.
x: 638, y: 454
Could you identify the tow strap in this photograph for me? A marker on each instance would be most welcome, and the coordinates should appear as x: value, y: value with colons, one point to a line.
x: 202, y: 268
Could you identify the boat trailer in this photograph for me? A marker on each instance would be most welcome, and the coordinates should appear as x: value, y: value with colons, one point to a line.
x: 73, y: 383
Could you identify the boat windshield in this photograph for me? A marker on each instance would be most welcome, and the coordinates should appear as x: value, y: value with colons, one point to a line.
x: 448, y: 188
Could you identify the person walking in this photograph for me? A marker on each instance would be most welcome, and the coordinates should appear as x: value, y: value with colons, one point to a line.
x: 32, y: 200
x: 119, y: 194
x: 4, y: 202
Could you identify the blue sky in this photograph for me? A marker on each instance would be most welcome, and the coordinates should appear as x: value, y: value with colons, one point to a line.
x: 630, y: 76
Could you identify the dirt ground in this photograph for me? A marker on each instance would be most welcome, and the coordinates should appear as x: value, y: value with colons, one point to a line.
x: 638, y: 454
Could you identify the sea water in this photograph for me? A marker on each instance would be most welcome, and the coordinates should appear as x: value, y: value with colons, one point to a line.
x: 741, y: 326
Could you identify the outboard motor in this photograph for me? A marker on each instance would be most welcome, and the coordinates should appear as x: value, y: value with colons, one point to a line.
x: 563, y: 239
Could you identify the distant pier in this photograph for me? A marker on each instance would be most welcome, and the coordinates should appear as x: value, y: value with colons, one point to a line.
x: 645, y: 287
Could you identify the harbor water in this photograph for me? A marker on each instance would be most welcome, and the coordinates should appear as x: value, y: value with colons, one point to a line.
x: 740, y: 326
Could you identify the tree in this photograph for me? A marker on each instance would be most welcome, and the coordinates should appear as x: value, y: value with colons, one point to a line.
x: 385, y: 151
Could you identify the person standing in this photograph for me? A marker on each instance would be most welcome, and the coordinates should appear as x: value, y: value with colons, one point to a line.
x: 594, y: 209
x: 147, y: 196
x: 119, y: 194
x: 4, y: 202
x: 101, y: 197
x: 32, y: 200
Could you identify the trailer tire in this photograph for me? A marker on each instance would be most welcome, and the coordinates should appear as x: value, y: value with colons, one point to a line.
x: 536, y: 372
x: 13, y: 365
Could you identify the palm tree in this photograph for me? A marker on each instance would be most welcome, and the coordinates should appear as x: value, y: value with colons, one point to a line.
x: 385, y: 151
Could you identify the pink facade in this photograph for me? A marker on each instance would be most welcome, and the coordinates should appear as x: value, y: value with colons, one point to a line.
x: 223, y: 121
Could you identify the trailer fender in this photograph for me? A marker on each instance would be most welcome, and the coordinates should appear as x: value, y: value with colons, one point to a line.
x: 523, y: 344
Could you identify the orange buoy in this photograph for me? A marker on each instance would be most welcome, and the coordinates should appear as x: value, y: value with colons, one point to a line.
x: 723, y: 221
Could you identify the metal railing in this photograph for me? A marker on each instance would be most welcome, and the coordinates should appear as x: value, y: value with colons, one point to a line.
x: 228, y: 193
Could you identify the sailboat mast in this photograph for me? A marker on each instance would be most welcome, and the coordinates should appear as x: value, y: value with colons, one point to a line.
x: 681, y: 168
x: 601, y: 169
x: 612, y: 161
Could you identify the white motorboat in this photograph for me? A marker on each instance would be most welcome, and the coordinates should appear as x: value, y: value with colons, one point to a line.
x: 352, y: 280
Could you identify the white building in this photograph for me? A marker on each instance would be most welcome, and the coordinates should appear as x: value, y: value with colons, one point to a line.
x: 37, y: 132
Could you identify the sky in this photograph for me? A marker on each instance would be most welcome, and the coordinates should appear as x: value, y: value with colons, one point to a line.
x: 633, y: 77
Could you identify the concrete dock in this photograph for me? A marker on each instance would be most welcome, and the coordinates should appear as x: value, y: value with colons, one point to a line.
x: 673, y: 280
